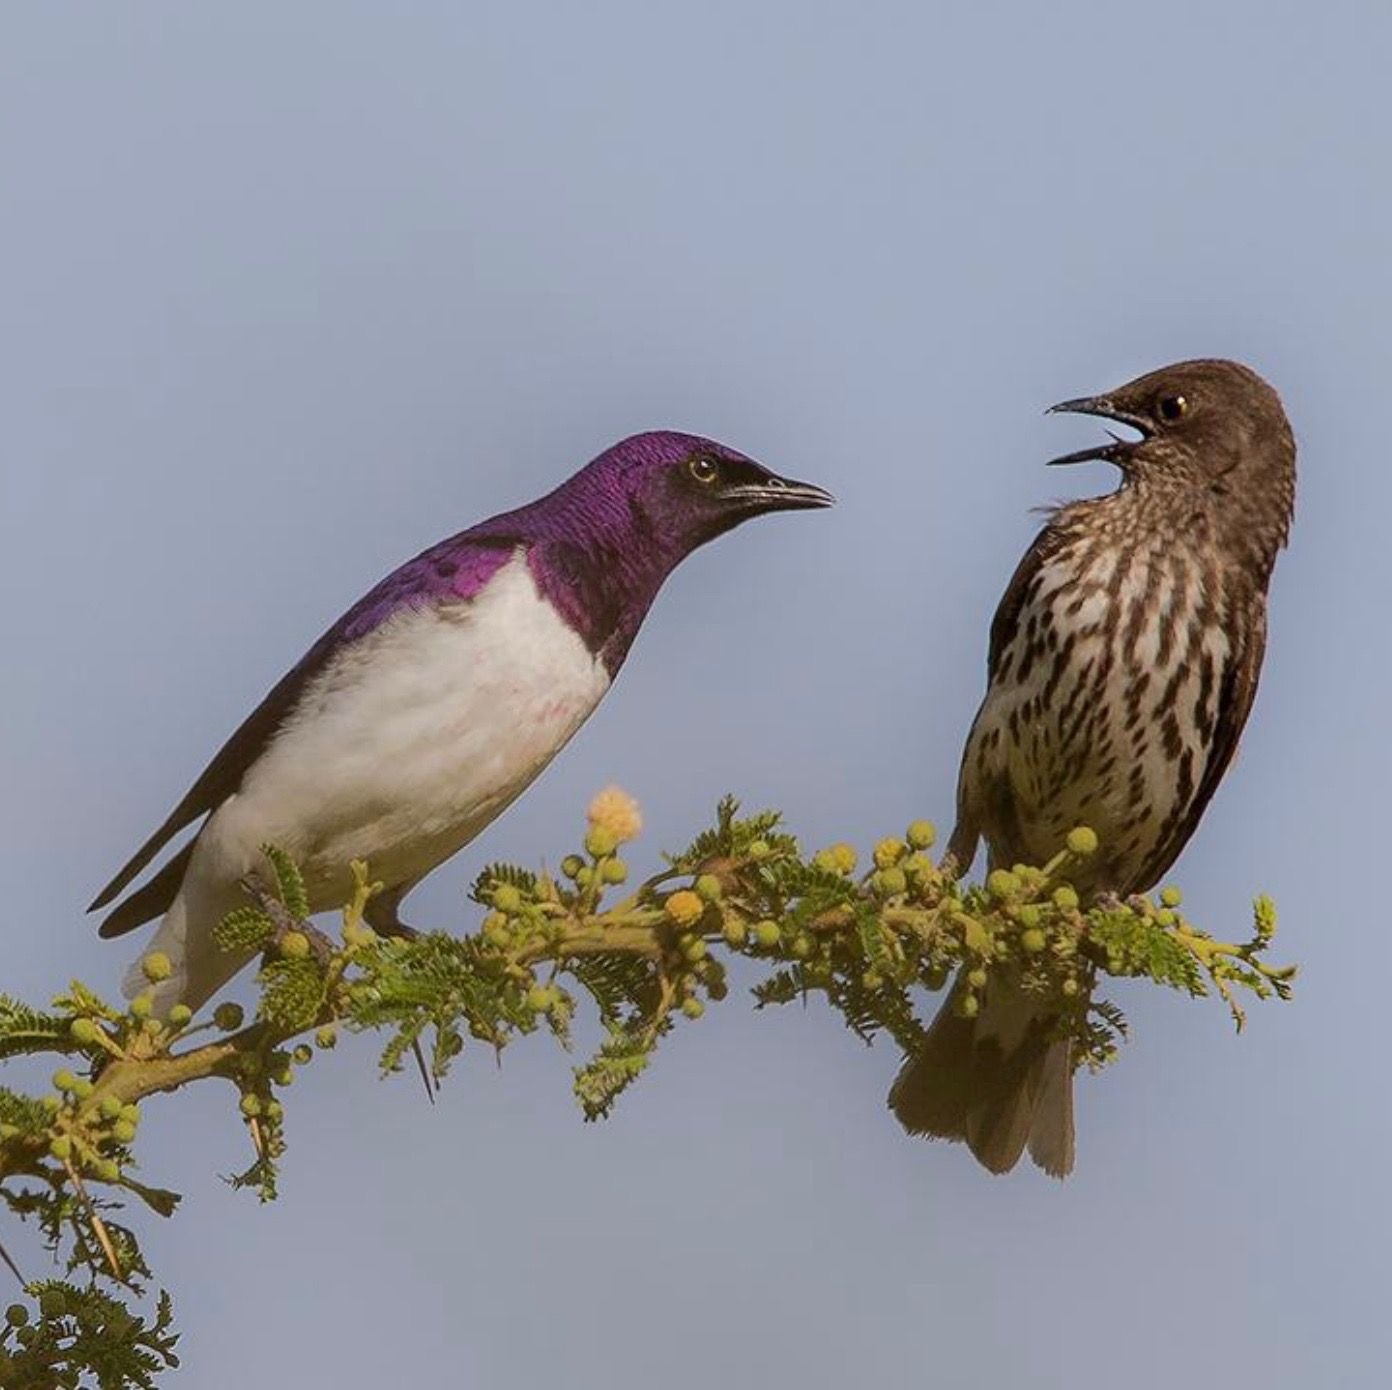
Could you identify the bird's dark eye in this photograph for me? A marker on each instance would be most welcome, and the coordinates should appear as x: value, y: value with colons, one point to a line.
x: 1172, y: 407
x: 703, y: 469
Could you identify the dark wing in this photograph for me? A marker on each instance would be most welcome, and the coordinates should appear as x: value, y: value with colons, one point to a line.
x: 455, y: 568
x: 1045, y: 546
x: 979, y: 805
x: 1236, y: 693
x: 221, y: 778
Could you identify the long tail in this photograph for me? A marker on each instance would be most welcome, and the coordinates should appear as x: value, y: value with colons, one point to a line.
x: 997, y: 1082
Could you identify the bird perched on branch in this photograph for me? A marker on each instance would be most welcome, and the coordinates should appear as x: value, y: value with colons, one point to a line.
x: 437, y: 698
x: 1123, y: 661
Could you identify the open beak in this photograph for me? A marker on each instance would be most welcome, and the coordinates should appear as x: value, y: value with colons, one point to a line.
x: 1114, y: 452
x: 774, y: 494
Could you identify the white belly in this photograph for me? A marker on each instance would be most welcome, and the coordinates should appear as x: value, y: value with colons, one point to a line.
x: 412, y: 741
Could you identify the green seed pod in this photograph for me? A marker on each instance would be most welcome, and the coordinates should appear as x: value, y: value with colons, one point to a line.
x: 1082, y: 841
x: 108, y: 1170
x: 767, y: 933
x: 614, y: 871
x: 694, y: 949
x: 251, y: 1106
x: 760, y: 849
x: 967, y: 1006
x: 891, y: 882
x: 734, y: 931
x: 708, y: 888
x: 327, y: 1037
x: 1029, y: 915
x: 922, y: 834
x: 1066, y: 898
x: 60, y: 1146
x: 1171, y: 896
x: 1033, y: 940
x: 294, y: 945
x: 83, y: 1088
x: 977, y: 978
x: 838, y: 859
x: 142, y: 1006
x: 1166, y: 918
x: 889, y: 852
x: 601, y: 841
x: 872, y: 980
x: 130, y: 1114
x: 585, y: 877
x: 109, y: 1107
x: 918, y: 865
x: 303, y: 1053
x: 51, y: 1103
x: 16, y: 1315
x: 717, y: 989
x: 122, y: 1132
x: 1001, y: 884
x: 1070, y: 987
x: 228, y: 1017
x: 802, y: 946
x: 539, y: 998
x: 156, y: 967
x: 506, y: 898
x: 275, y: 1111
x: 83, y: 1031
x: 935, y: 977
x: 64, y: 1080
x: 53, y: 1303
x: 180, y: 1016
x: 571, y: 865
x: 693, y: 1007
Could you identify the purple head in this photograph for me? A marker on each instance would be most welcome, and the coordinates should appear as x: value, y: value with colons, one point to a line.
x: 662, y: 494
x: 607, y: 538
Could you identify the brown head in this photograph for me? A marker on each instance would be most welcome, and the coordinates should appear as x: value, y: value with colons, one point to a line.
x: 1210, y: 428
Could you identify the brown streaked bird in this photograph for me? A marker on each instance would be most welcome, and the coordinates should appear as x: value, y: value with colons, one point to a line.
x: 1123, y: 661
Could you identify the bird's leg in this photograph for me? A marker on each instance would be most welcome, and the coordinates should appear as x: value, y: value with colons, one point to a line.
x: 382, y: 912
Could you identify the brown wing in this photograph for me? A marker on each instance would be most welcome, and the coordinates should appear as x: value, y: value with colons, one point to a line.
x: 979, y: 804
x: 1045, y: 546
x: 1236, y: 693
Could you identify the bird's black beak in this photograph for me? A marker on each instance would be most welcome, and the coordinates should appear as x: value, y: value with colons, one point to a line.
x: 1104, y: 406
x: 770, y: 493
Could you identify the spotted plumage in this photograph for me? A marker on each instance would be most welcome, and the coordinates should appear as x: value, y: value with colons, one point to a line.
x: 1123, y: 663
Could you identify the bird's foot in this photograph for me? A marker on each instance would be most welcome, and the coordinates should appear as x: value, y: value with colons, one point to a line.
x: 382, y: 914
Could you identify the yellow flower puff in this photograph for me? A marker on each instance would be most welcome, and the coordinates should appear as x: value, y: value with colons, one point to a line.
x: 614, y: 811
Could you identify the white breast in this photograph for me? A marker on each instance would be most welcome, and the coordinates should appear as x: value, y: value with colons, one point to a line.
x: 413, y: 739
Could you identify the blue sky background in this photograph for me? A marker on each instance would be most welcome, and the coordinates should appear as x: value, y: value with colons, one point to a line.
x: 290, y: 292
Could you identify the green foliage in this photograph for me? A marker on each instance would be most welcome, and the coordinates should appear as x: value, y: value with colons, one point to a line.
x: 620, y: 1061
x: 244, y: 929
x: 869, y: 943
x: 290, y: 886
x: 83, y: 1336
x: 23, y: 1029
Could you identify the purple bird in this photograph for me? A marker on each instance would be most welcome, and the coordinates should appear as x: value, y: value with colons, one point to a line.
x: 437, y: 699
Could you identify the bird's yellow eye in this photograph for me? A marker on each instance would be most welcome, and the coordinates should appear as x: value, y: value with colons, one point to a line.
x: 1172, y: 407
x: 703, y: 469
